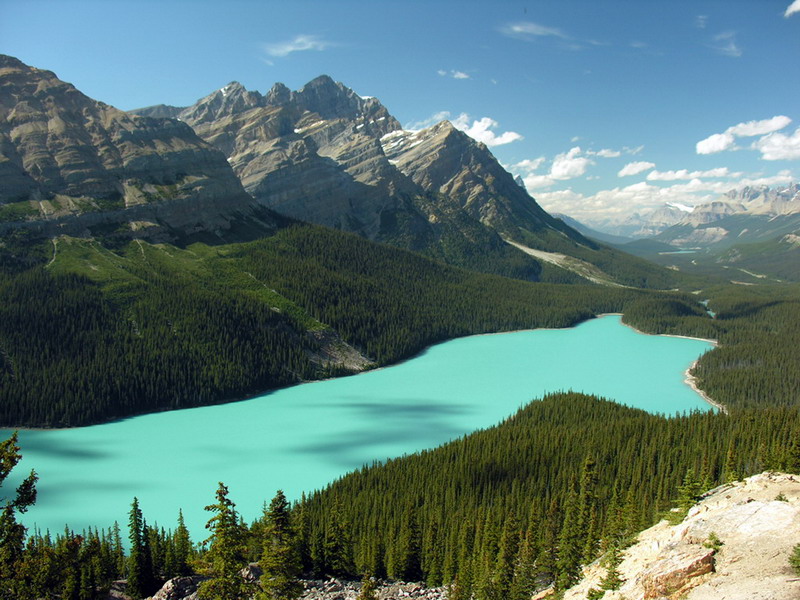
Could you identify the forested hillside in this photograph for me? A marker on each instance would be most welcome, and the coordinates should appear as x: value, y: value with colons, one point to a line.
x: 97, y: 332
x: 757, y: 363
x: 511, y: 509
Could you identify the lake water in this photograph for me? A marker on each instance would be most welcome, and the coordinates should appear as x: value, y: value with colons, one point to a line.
x: 299, y: 439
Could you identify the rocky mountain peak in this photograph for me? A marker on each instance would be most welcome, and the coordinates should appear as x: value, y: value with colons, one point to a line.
x: 10, y: 62
x: 278, y: 95
x: 231, y: 99
x: 782, y: 200
x: 333, y: 100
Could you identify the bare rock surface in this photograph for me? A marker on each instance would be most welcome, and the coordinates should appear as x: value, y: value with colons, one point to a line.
x: 444, y: 160
x: 185, y: 588
x: 312, y: 154
x: 71, y: 162
x: 326, y: 155
x: 757, y: 531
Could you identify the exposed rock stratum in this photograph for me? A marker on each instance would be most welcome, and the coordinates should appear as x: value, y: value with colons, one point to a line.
x: 758, y: 522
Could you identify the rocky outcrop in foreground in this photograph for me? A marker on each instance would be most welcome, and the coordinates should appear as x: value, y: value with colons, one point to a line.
x: 185, y: 588
x: 757, y: 522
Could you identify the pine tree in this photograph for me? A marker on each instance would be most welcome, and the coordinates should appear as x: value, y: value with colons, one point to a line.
x: 338, y: 549
x: 138, y: 585
x: 375, y: 562
x: 12, y: 533
x: 408, y: 560
x: 182, y: 548
x: 793, y: 455
x: 588, y: 509
x: 731, y: 468
x: 546, y: 559
x: 280, y: 560
x: 524, y: 583
x: 689, y: 491
x: 117, y: 551
x: 570, y: 545
x: 367, y: 589
x: 226, y: 555
x: 794, y: 559
x: 613, y: 579
x: 507, y: 552
x: 433, y: 553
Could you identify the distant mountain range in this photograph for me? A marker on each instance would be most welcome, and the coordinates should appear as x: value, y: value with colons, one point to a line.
x: 747, y: 234
x: 747, y: 215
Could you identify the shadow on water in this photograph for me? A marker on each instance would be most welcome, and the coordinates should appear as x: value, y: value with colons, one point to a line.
x: 407, y: 427
x: 50, y: 494
x: 46, y: 445
x: 397, y: 407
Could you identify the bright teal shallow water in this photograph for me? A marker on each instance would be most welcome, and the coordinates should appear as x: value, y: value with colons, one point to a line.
x: 299, y: 439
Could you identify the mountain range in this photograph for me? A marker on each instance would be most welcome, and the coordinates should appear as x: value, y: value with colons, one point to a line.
x: 746, y: 235
x: 746, y: 215
x: 326, y: 155
x: 236, y: 162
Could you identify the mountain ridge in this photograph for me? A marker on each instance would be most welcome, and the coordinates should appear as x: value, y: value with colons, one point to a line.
x: 69, y: 163
x: 326, y: 155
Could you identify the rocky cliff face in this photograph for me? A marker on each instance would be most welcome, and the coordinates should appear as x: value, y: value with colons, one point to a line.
x: 444, y: 160
x: 326, y: 155
x: 312, y: 154
x: 68, y: 162
x: 757, y: 522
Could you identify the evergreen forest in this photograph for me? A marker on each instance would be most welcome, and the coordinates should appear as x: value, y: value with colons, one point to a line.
x: 100, y: 333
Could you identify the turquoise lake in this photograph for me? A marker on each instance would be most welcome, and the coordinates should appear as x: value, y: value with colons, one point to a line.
x: 299, y: 439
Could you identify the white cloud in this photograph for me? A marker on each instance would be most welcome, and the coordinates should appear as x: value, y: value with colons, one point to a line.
x: 793, y: 8
x: 606, y: 153
x: 715, y: 143
x: 751, y: 128
x: 779, y: 146
x: 700, y: 21
x: 481, y: 130
x: 529, y: 165
x: 569, y: 164
x: 726, y: 141
x: 620, y: 202
x: 634, y: 168
x: 527, y: 29
x: 684, y: 174
x: 537, y: 182
x: 725, y: 43
x: 453, y: 73
x: 298, y: 44
x: 633, y: 151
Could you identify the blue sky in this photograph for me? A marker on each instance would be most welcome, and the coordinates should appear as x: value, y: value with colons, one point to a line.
x: 604, y: 107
